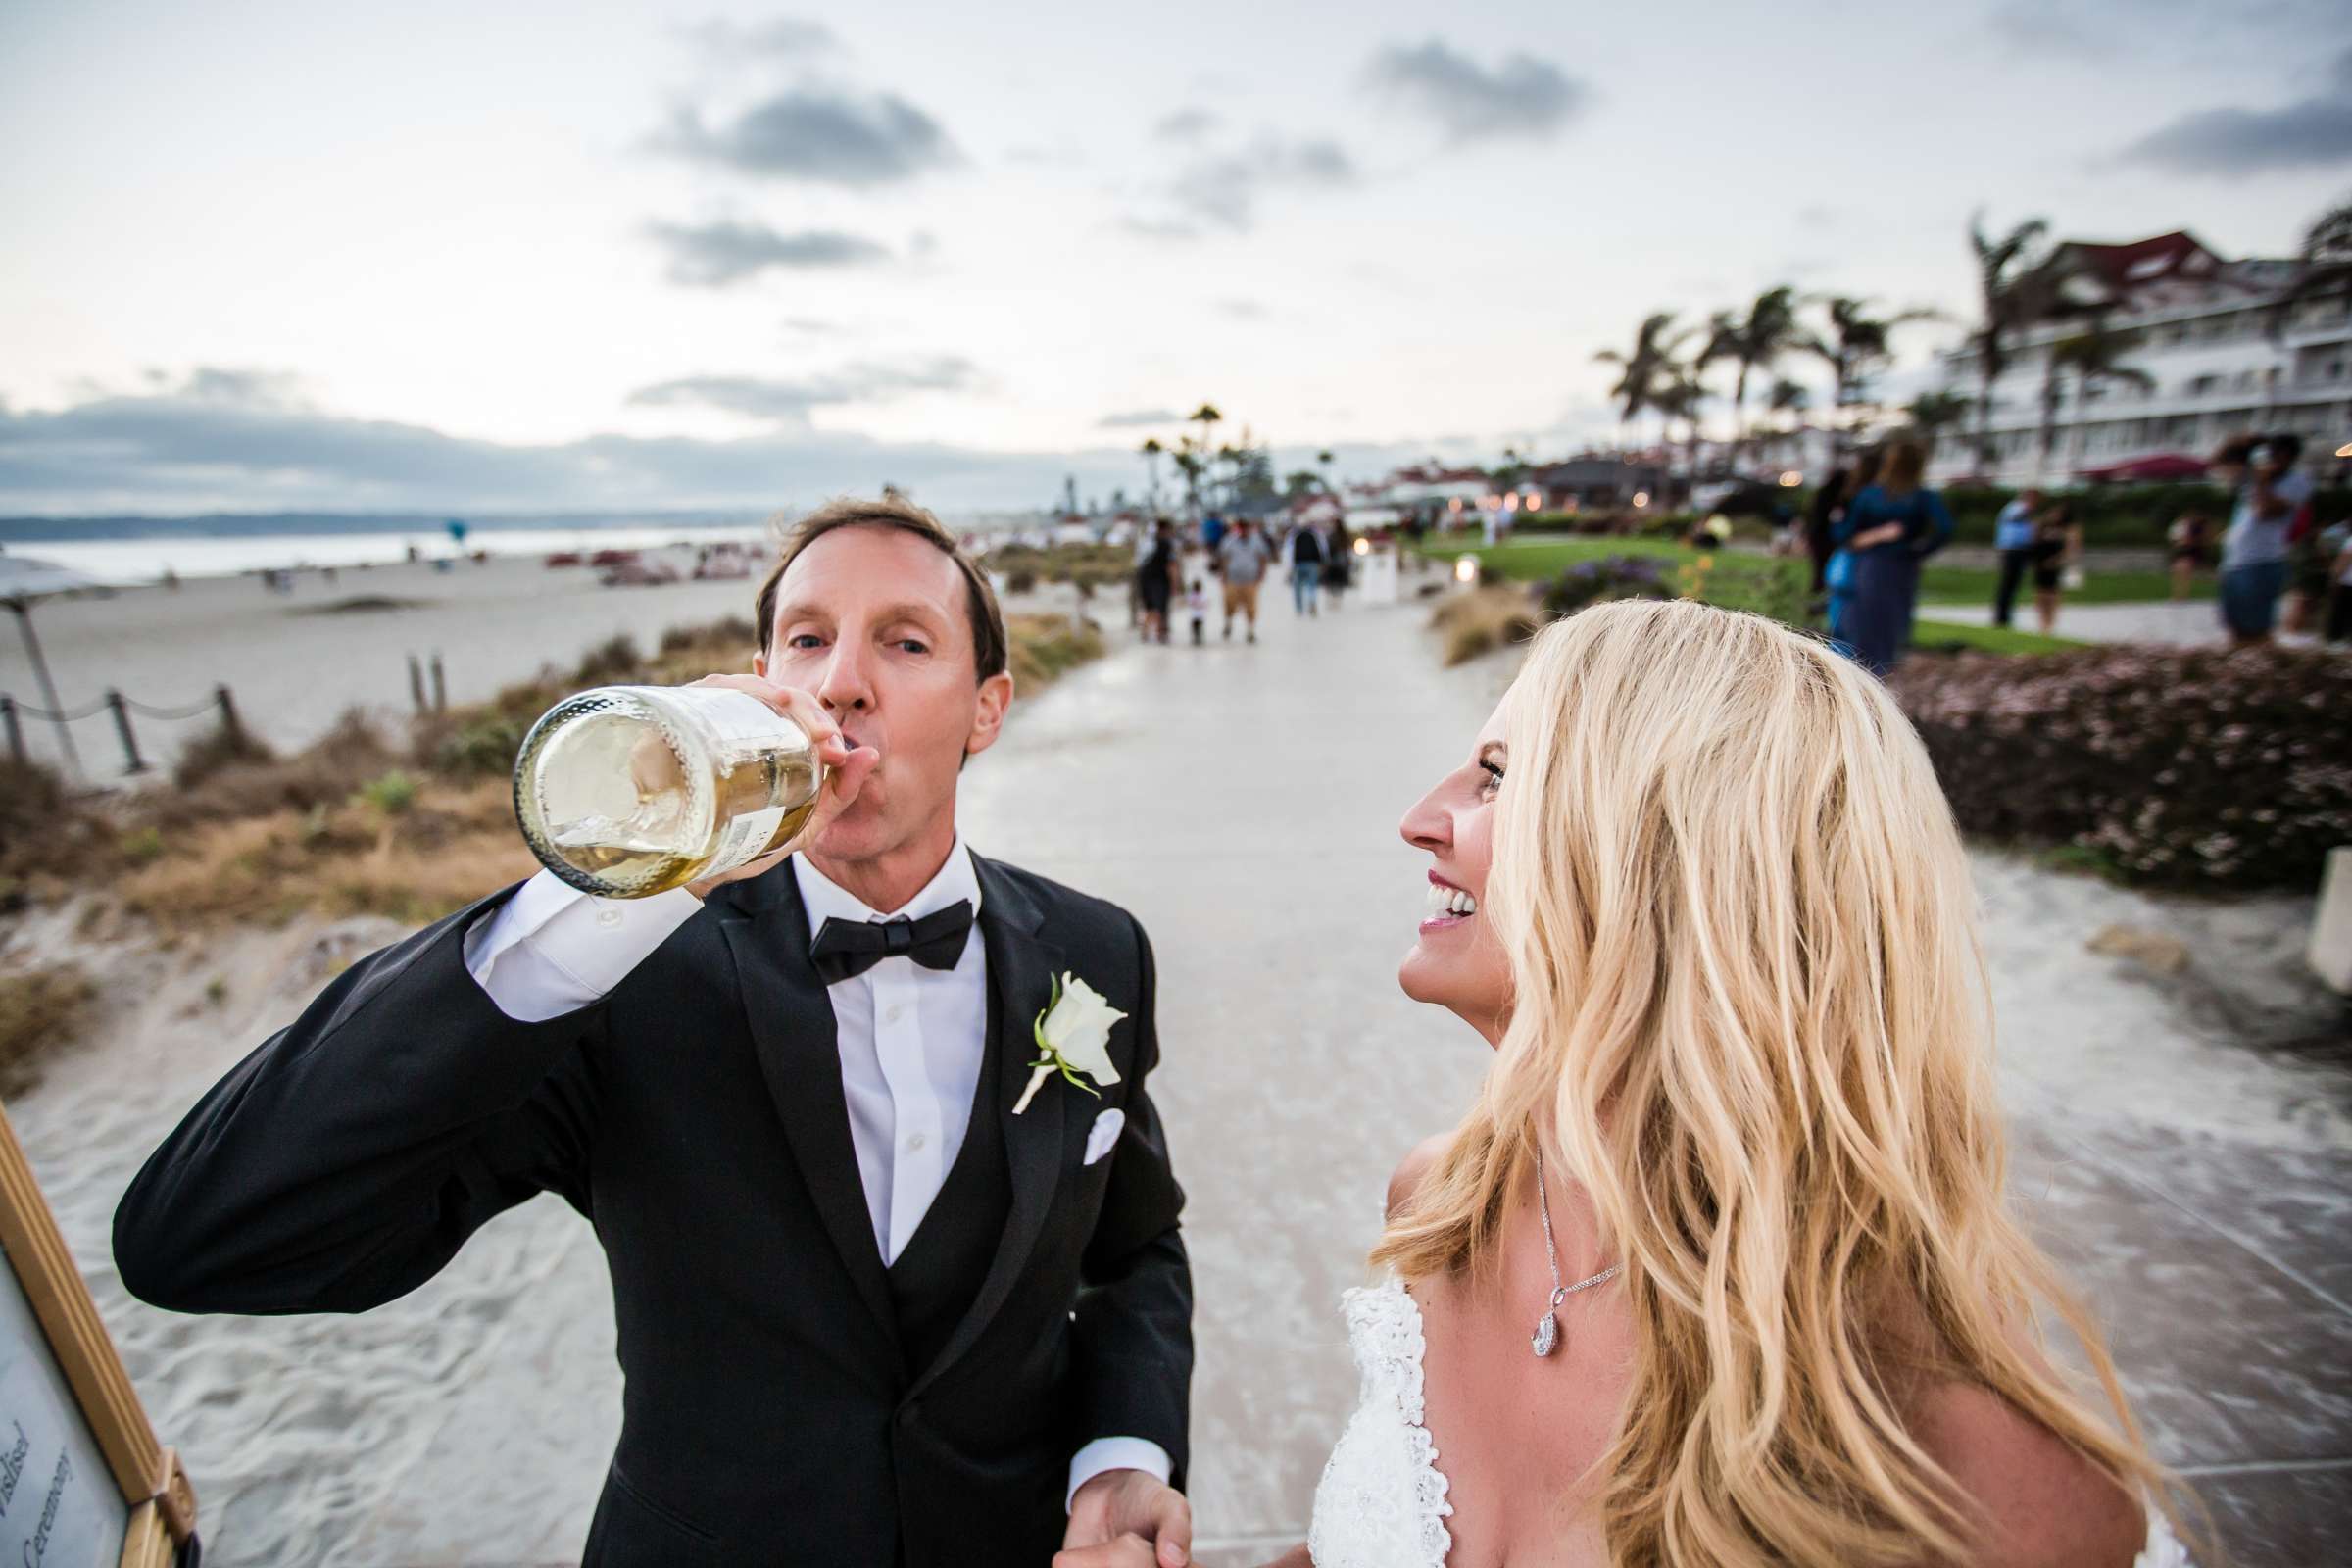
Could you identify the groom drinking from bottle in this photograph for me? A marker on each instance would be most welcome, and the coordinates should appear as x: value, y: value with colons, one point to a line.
x: 897, y: 1281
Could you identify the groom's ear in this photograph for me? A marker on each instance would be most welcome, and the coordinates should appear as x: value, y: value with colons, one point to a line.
x: 988, y: 715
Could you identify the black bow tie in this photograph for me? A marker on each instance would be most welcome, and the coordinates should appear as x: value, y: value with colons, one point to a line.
x: 847, y: 947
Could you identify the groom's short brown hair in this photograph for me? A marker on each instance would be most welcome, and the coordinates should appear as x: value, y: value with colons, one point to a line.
x: 990, y: 646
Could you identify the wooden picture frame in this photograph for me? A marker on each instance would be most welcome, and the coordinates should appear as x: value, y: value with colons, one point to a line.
x: 58, y: 1363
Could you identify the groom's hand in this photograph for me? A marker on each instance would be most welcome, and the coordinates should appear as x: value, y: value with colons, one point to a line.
x: 1127, y: 1504
x: 847, y: 768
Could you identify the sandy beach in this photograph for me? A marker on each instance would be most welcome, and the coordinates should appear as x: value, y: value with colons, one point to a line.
x: 295, y: 661
x: 2183, y: 1140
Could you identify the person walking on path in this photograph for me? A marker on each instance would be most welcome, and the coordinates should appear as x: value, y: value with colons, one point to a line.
x: 1307, y: 553
x: 2057, y: 549
x: 2014, y: 535
x: 1888, y: 532
x: 2339, y: 591
x: 1242, y: 561
x: 1156, y: 581
x: 2191, y: 540
x: 1339, y: 561
x: 2256, y: 549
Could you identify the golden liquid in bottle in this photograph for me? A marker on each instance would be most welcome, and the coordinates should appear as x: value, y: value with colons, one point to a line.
x: 630, y: 792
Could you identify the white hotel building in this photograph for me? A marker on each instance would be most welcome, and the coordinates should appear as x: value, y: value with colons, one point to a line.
x: 2223, y: 360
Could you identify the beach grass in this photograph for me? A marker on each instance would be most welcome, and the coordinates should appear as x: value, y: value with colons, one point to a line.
x: 412, y: 824
x: 41, y: 1008
x: 1478, y: 623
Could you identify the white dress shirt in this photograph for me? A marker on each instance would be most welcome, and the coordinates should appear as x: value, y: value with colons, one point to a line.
x: 911, y: 1040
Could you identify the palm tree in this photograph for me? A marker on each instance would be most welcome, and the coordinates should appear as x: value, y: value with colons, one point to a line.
x: 1933, y: 413
x: 1679, y: 399
x: 1857, y: 348
x: 1205, y: 417
x: 1152, y: 449
x: 1190, y: 464
x: 2007, y: 302
x: 1755, y: 342
x: 2324, y: 264
x: 2094, y: 355
x: 1323, y: 463
x: 1788, y: 396
x: 1645, y: 370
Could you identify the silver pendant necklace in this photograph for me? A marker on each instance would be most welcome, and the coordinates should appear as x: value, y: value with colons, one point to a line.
x: 1547, y: 1327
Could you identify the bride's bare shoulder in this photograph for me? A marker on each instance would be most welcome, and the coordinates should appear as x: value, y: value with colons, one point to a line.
x: 2045, y: 1506
x: 1415, y: 1165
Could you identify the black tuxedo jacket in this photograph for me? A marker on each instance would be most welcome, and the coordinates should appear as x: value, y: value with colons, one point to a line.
x: 696, y: 1117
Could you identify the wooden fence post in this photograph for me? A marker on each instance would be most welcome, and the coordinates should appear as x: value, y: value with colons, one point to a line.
x: 132, y: 762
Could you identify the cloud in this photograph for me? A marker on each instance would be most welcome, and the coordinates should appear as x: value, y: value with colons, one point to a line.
x: 791, y: 401
x: 167, y: 453
x: 1186, y: 124
x: 781, y: 37
x: 1241, y: 309
x: 1522, y: 97
x: 2035, y: 30
x: 821, y: 136
x: 2307, y: 134
x: 1139, y: 419
x: 1222, y: 190
x: 236, y: 387
x: 725, y: 251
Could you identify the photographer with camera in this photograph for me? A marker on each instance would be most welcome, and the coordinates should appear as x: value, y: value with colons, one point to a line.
x: 2255, y: 550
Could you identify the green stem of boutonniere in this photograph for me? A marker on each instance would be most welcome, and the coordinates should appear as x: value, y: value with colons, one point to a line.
x: 1049, y: 1061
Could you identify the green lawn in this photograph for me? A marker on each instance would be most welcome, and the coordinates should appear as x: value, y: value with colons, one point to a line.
x: 1974, y: 585
x: 1773, y: 585
x: 1932, y: 634
x: 1524, y: 560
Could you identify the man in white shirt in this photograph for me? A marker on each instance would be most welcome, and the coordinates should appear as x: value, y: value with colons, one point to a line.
x: 879, y: 1301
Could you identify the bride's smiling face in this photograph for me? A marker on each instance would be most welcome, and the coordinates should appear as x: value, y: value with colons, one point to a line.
x: 1456, y: 962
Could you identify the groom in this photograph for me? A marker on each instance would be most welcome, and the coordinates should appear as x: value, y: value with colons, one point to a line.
x: 869, y: 1314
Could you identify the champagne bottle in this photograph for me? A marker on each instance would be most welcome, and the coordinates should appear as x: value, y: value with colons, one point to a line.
x: 628, y: 791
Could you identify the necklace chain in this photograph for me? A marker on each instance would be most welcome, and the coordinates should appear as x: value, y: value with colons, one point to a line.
x: 1547, y: 1327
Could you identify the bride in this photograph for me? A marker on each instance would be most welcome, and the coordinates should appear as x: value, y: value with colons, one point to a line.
x: 1717, y: 1269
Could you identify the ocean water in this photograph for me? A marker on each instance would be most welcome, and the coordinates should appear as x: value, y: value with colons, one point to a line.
x: 126, y: 562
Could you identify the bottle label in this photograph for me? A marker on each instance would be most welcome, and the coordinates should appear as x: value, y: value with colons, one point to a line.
x: 743, y: 724
x: 744, y: 839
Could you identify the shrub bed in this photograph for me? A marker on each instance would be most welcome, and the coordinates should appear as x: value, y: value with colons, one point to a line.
x: 2192, y: 769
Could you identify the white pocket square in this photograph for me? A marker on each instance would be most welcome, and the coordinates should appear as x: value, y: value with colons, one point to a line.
x: 1105, y: 1133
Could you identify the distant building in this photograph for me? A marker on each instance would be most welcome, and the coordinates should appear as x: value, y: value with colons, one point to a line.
x: 2226, y: 353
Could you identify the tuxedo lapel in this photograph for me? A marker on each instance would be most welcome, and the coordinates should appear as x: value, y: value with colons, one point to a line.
x: 1020, y: 978
x: 793, y: 1032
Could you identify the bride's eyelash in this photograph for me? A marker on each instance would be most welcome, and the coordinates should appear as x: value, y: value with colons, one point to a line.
x: 1493, y: 776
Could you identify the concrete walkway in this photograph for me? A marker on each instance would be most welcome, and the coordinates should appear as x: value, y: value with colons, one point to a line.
x: 2184, y: 1142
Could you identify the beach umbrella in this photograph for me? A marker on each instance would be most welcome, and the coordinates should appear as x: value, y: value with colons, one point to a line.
x: 25, y: 582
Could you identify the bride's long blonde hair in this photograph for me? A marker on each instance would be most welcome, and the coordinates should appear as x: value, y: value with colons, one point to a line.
x: 1747, y: 993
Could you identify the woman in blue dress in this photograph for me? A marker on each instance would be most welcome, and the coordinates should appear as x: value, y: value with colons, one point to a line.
x: 1889, y: 531
x: 1838, y: 565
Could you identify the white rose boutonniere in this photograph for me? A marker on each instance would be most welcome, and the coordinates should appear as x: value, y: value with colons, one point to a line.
x: 1073, y: 1039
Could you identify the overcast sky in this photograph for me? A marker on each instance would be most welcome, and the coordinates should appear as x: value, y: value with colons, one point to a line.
x: 599, y: 254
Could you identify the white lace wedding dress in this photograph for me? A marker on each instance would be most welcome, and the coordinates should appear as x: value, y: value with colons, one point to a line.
x: 1382, y: 1502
